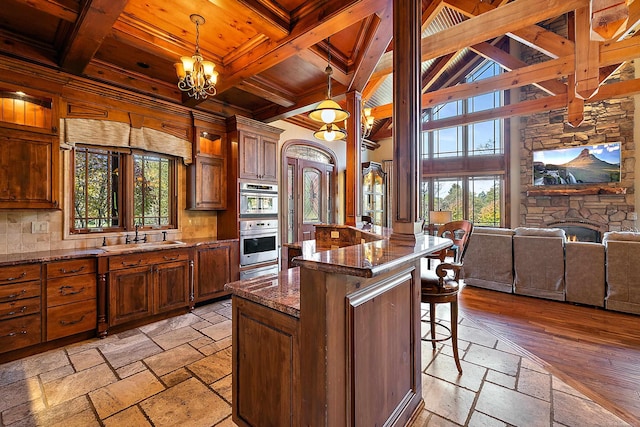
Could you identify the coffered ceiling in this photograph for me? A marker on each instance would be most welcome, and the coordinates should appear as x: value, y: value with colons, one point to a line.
x: 271, y: 55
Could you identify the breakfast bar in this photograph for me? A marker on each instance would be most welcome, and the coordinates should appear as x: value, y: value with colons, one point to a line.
x: 334, y: 340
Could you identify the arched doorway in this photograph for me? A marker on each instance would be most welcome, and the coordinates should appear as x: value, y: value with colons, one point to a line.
x: 310, y: 177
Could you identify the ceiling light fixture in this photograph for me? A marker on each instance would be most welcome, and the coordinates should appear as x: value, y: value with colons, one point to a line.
x: 197, y: 76
x: 329, y: 111
x: 330, y: 132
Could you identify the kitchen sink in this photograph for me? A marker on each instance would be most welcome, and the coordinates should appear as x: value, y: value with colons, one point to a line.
x: 133, y: 247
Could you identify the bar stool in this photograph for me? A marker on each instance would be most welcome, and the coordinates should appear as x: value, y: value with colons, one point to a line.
x: 442, y: 286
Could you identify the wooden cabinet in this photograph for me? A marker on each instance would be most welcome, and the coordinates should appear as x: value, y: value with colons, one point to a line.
x: 20, y: 319
x: 28, y: 170
x: 71, y: 297
x: 216, y: 264
x: 145, y: 284
x: 257, y: 156
x: 207, y: 176
x: 374, y: 193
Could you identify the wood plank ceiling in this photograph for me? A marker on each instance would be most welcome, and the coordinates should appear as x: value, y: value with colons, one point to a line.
x: 271, y: 55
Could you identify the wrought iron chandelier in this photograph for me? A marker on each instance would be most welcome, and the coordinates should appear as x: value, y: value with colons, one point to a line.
x: 328, y: 111
x: 196, y: 76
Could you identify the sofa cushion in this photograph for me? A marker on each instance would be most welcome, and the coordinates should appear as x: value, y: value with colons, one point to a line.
x: 493, y: 230
x: 540, y: 232
x: 621, y: 236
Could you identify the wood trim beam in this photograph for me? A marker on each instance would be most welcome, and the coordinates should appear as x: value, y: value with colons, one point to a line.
x: 430, y: 13
x: 613, y: 90
x: 534, y: 36
x: 436, y: 70
x: 308, y: 31
x: 94, y: 23
x: 260, y: 87
x: 63, y: 9
x: 268, y: 18
x: 378, y: 41
x: 587, y: 77
x: 510, y: 63
x: 575, y: 104
x: 510, y: 17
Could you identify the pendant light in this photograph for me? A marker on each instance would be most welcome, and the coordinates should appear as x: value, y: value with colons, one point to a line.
x: 329, y: 111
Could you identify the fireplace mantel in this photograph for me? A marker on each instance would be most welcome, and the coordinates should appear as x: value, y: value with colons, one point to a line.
x: 536, y: 192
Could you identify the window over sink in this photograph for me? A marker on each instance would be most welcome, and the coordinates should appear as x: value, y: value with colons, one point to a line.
x: 114, y: 189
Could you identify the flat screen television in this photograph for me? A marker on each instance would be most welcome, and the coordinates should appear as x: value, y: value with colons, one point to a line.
x: 593, y: 164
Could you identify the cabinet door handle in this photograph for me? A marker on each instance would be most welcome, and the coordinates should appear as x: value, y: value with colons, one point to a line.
x: 65, y: 271
x: 11, y: 313
x: 63, y: 290
x: 14, y: 296
x: 133, y: 264
x: 13, y: 334
x: 9, y: 279
x: 170, y: 258
x: 71, y: 322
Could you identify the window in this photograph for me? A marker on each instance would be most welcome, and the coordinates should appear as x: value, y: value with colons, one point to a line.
x: 464, y: 166
x: 107, y: 182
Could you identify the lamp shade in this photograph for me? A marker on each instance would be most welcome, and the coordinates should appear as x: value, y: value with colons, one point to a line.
x: 440, y: 217
x: 328, y: 111
x: 330, y: 133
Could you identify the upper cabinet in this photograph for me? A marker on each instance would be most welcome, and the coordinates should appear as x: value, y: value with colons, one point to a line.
x: 257, y: 155
x: 207, y: 176
x: 29, y: 152
x: 257, y: 146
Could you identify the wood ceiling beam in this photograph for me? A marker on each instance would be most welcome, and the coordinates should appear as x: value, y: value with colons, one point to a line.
x: 436, y: 70
x: 94, y: 23
x: 575, y: 104
x: 587, y: 78
x: 266, y: 17
x: 510, y: 17
x: 319, y: 59
x: 67, y: 10
x: 430, y: 13
x: 610, y: 54
x: 311, y: 29
x: 372, y: 87
x: 376, y: 44
x: 534, y: 36
x: 510, y: 63
x: 263, y: 89
x: 613, y: 90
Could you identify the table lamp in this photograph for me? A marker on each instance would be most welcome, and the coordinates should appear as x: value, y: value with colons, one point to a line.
x: 439, y: 217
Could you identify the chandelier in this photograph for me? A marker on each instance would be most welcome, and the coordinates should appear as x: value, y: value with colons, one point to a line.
x: 367, y: 121
x: 196, y: 76
x: 328, y: 111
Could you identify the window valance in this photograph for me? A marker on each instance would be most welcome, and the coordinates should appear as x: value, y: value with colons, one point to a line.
x: 117, y: 134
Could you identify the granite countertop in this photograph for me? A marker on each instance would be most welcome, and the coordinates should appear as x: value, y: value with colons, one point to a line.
x: 370, y: 259
x: 62, y: 254
x: 280, y: 291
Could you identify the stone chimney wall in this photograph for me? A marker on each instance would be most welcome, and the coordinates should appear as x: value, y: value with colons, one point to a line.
x: 604, y: 122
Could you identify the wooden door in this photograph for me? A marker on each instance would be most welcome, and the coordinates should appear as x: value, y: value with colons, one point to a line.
x: 172, y: 286
x: 210, y: 186
x: 130, y: 294
x: 214, y: 271
x: 310, y: 197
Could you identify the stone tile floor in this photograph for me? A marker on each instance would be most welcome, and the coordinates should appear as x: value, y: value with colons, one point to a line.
x: 178, y: 372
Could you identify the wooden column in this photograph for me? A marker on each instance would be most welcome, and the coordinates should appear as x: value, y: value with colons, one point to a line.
x: 406, y: 119
x: 353, y: 178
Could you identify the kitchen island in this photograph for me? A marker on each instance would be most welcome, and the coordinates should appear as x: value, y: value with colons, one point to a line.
x: 333, y: 341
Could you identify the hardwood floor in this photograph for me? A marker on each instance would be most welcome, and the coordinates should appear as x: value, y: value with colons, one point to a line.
x: 594, y: 350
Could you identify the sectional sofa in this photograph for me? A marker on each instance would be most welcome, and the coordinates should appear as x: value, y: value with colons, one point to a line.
x: 540, y: 262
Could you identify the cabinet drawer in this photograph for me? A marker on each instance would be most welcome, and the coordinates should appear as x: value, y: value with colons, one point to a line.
x: 24, y: 307
x: 71, y: 267
x: 19, y: 291
x: 119, y: 262
x: 20, y: 332
x: 19, y: 273
x: 64, y: 290
x: 71, y: 319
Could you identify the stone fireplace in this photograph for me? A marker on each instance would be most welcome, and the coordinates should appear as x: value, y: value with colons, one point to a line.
x: 596, y: 207
x: 580, y: 231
